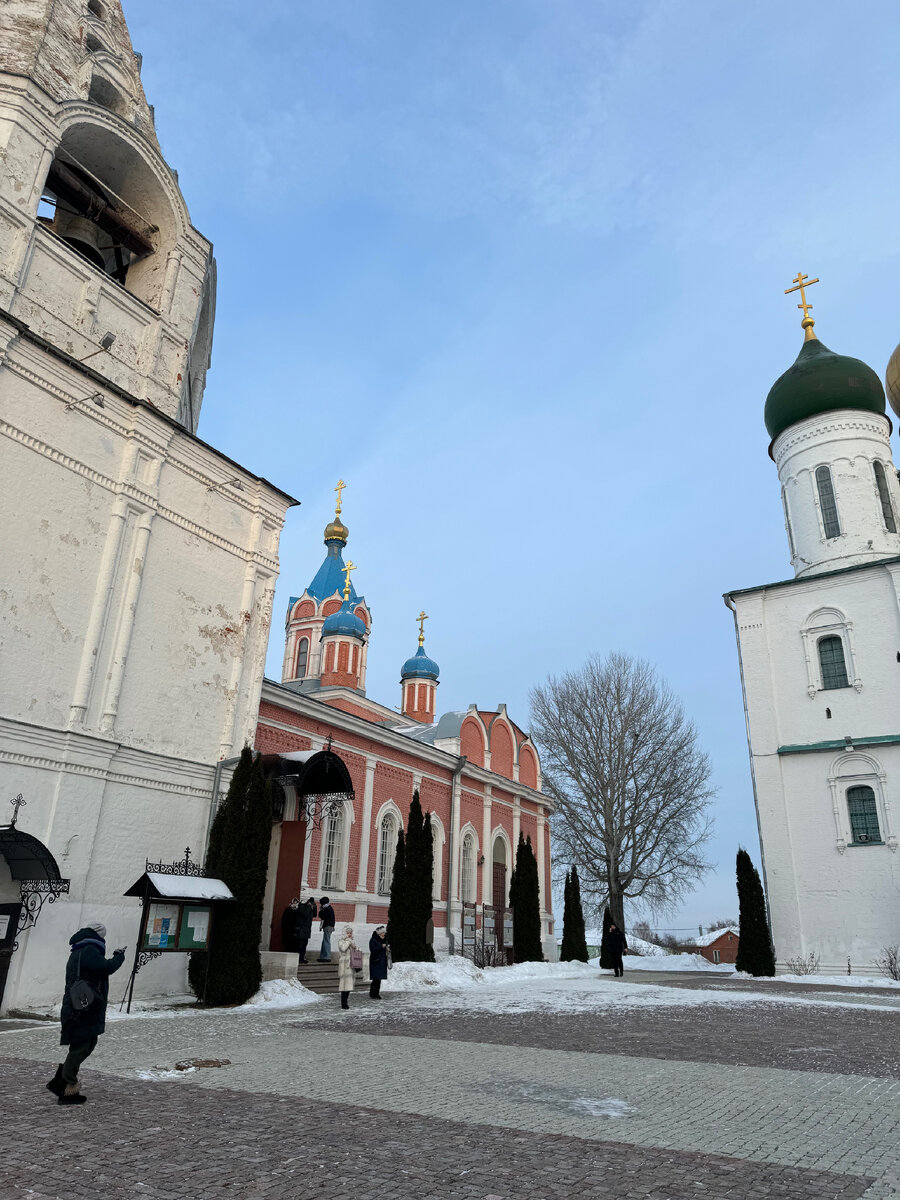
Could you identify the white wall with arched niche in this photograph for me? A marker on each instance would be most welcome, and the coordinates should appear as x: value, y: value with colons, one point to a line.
x: 821, y: 625
x: 850, y: 773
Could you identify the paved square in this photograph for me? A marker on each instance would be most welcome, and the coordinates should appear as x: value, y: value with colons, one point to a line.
x: 583, y: 1090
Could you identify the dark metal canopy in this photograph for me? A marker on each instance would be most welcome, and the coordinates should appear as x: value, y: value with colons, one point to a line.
x: 26, y: 857
x: 315, y: 773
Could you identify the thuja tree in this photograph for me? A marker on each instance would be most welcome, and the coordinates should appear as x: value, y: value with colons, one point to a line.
x: 606, y: 956
x: 574, y: 942
x: 230, y: 973
x: 411, y: 889
x: 398, y: 910
x: 755, y: 953
x: 524, y: 899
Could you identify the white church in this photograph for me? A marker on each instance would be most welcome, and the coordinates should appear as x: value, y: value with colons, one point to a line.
x: 820, y: 667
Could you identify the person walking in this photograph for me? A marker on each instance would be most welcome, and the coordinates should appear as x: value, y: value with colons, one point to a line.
x: 326, y: 916
x: 617, y: 947
x: 303, y: 927
x: 82, y: 1027
x: 346, y: 974
x: 378, y: 961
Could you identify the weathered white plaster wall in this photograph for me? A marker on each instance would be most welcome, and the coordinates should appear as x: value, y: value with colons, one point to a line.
x: 825, y: 895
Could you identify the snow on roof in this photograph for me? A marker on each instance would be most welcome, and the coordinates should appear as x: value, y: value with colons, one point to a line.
x: 707, y: 939
x: 190, y: 887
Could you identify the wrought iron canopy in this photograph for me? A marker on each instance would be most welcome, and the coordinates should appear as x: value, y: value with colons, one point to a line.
x: 315, y: 773
x: 26, y: 857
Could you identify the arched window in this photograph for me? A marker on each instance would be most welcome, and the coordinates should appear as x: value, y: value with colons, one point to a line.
x: 831, y: 661
x: 467, y: 870
x: 331, y: 853
x: 863, y: 816
x: 387, y: 848
x: 302, y: 657
x: 827, y: 502
x: 887, y: 509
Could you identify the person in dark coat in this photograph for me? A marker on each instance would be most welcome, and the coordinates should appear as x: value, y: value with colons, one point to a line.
x: 617, y: 947
x: 326, y: 916
x: 288, y: 921
x: 81, y: 1028
x: 303, y: 927
x: 378, y: 961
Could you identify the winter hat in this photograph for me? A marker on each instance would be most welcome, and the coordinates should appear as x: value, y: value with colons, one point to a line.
x: 324, y: 900
x: 98, y: 927
x: 379, y: 929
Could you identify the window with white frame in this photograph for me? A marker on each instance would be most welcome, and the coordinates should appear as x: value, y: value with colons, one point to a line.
x: 467, y: 870
x: 302, y: 657
x: 387, y: 848
x: 884, y: 497
x: 832, y: 663
x: 863, y: 811
x: 331, y: 853
x: 827, y: 502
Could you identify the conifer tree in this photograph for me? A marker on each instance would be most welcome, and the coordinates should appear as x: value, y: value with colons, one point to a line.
x: 574, y: 942
x: 230, y: 972
x: 606, y: 958
x: 420, y: 880
x: 398, y: 911
x: 526, y: 905
x: 755, y: 953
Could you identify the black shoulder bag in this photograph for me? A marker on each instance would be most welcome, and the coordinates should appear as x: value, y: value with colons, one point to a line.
x: 81, y: 993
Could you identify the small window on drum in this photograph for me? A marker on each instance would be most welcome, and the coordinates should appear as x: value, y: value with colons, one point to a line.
x: 302, y: 658
x: 827, y: 503
x: 832, y: 663
x: 97, y: 9
x: 884, y: 497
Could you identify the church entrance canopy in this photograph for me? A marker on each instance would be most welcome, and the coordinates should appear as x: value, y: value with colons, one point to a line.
x: 318, y: 780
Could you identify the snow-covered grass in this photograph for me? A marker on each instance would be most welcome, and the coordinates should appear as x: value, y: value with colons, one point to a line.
x: 647, y: 949
x: 851, y: 981
x: 676, y: 962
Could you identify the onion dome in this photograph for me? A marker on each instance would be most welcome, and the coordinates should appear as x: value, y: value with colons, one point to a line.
x: 344, y: 622
x: 892, y: 381
x: 336, y: 531
x: 821, y: 381
x: 420, y: 666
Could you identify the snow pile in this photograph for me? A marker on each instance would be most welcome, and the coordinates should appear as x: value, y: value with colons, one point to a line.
x: 280, y: 993
x: 674, y: 962
x: 452, y: 973
x: 851, y: 981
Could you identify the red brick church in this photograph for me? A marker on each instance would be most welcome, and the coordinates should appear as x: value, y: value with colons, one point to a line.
x: 477, y: 773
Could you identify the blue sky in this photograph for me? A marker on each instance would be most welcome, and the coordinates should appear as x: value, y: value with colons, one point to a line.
x: 515, y: 272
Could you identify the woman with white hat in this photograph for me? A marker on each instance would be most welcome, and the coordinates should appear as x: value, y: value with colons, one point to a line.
x: 346, y: 970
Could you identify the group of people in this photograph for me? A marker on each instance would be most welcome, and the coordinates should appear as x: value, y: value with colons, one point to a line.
x: 297, y: 922
x: 350, y: 963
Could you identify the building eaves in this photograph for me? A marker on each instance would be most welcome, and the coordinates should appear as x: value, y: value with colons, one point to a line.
x: 782, y: 583
x: 844, y: 743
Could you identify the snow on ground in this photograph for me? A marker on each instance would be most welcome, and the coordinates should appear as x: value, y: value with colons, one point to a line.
x: 675, y: 962
x: 851, y: 981
x: 648, y: 949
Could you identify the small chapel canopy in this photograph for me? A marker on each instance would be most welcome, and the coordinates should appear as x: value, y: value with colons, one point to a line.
x: 179, y: 887
x: 26, y: 857
x: 316, y: 772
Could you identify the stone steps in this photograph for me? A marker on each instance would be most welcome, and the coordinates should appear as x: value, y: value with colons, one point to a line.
x: 321, y: 978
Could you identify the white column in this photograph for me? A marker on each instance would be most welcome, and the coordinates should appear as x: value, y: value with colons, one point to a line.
x: 517, y: 824
x: 366, y: 832
x: 487, y: 868
x: 541, y: 860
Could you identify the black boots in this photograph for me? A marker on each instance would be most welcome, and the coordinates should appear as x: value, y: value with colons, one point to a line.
x: 72, y: 1095
x: 345, y: 999
x: 57, y: 1084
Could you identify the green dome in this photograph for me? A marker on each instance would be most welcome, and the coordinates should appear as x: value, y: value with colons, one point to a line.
x: 821, y: 381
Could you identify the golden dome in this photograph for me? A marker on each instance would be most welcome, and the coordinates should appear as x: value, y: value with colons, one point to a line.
x: 892, y: 381
x: 336, y: 530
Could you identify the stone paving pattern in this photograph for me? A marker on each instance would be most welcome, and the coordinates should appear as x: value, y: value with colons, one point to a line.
x: 183, y: 1143
x: 849, y: 1041
x: 425, y: 1097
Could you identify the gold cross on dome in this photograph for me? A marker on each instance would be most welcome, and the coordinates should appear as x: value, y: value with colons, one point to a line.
x: 801, y: 283
x: 422, y: 618
x: 349, y: 567
x: 339, y: 489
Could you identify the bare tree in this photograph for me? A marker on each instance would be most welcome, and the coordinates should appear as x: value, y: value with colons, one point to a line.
x: 721, y: 923
x: 630, y: 782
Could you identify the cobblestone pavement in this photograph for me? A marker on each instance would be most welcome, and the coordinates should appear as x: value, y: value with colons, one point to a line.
x: 432, y: 1107
x: 846, y: 1040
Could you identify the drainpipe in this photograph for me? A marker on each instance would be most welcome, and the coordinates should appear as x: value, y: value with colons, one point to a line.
x: 214, y: 800
x: 454, y: 809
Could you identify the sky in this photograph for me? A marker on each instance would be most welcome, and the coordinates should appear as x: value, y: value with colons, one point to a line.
x: 515, y: 271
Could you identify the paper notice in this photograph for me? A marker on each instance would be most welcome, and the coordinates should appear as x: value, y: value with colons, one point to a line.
x: 198, y: 923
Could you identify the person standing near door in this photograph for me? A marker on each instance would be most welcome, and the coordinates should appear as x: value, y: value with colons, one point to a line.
x: 378, y: 961
x: 303, y: 927
x: 326, y: 916
x: 81, y: 1028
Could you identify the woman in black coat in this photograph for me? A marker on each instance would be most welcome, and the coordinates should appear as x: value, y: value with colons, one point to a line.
x: 378, y: 961
x: 82, y: 1027
x: 303, y: 927
x: 617, y: 947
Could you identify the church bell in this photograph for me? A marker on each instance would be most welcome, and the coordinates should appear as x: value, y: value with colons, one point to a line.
x: 84, y: 236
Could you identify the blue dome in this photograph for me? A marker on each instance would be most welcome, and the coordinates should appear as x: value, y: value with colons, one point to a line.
x: 420, y: 666
x: 344, y: 621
